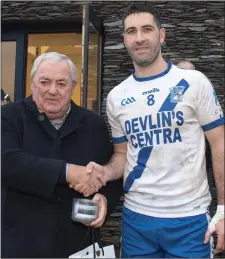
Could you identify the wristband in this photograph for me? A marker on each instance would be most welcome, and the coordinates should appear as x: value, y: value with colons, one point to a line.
x: 216, y: 218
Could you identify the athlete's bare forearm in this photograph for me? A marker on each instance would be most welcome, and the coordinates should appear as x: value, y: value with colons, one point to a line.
x: 218, y: 169
x: 216, y: 141
x: 115, y: 168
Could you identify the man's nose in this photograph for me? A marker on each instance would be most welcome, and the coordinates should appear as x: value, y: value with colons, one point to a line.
x: 139, y: 37
x: 52, y: 89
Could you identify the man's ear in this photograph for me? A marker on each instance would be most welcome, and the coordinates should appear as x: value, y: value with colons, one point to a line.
x: 74, y: 86
x: 162, y: 35
x: 32, y: 90
x: 32, y: 86
x: 123, y: 39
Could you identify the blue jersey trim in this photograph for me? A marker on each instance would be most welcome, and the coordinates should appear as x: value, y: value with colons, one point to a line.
x: 213, y: 124
x: 119, y: 140
x: 138, y: 170
x: 142, y: 79
x: 167, y: 104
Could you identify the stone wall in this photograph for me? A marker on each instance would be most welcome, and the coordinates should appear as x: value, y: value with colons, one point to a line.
x: 194, y: 31
x: 20, y: 11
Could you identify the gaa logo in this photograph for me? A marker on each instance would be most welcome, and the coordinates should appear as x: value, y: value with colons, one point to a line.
x: 127, y: 101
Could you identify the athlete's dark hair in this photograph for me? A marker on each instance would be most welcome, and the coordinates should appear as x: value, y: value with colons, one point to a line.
x: 143, y: 8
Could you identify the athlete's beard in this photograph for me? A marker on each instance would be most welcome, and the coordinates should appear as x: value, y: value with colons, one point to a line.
x: 148, y: 60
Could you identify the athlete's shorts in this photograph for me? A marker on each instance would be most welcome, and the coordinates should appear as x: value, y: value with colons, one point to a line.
x: 151, y: 237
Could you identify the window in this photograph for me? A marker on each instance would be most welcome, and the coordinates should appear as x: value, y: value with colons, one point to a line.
x: 92, y: 89
x: 80, y: 39
x: 8, y: 60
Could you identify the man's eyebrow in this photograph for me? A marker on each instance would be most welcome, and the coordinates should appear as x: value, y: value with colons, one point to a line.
x: 147, y: 25
x: 62, y: 79
x: 129, y: 28
x: 143, y: 26
x: 44, y: 77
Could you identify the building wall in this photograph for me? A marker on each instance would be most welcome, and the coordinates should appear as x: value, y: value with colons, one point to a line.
x: 19, y: 11
x: 194, y: 31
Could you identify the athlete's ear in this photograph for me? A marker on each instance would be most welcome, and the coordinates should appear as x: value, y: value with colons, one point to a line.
x: 124, y: 39
x: 162, y: 35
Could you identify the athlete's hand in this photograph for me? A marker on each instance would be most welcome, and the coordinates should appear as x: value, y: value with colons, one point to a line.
x: 97, y: 173
x: 219, y: 229
x: 102, y: 210
x: 84, y: 181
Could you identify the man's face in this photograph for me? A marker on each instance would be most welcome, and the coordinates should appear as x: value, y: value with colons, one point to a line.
x: 52, y: 88
x: 143, y: 38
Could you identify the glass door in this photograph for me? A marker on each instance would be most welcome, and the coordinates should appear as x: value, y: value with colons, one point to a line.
x: 80, y: 40
x: 8, y: 61
x: 13, y: 63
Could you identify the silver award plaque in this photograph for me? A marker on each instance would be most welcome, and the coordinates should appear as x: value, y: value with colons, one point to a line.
x: 84, y: 210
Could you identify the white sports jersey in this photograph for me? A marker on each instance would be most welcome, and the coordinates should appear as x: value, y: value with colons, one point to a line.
x: 163, y: 118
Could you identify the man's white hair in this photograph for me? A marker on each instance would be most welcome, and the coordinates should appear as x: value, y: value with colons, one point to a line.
x: 57, y: 57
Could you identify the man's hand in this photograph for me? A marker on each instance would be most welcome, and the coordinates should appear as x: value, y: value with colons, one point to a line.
x: 219, y: 229
x: 78, y: 176
x: 102, y: 210
x: 98, y: 172
x: 112, y: 171
x: 101, y: 172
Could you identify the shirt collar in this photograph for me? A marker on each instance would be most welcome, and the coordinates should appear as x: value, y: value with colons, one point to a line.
x: 59, y: 123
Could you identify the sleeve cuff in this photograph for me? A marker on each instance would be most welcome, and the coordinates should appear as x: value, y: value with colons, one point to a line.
x: 63, y: 176
x: 119, y: 140
x: 213, y: 124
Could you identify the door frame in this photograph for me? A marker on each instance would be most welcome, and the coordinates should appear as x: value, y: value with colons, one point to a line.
x: 90, y: 16
x: 20, y: 60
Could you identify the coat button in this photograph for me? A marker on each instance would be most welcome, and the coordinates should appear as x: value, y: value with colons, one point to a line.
x: 41, y: 117
x: 60, y: 200
x: 59, y: 231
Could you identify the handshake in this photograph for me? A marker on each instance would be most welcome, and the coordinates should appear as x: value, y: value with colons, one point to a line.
x: 87, y: 180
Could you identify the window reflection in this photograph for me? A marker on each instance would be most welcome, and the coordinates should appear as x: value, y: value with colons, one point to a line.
x: 92, y: 93
x: 8, y: 58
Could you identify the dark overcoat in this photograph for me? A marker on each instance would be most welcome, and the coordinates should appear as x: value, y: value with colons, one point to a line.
x: 36, y: 200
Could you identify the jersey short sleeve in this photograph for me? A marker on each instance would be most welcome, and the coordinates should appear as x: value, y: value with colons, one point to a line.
x: 118, y: 135
x: 209, y: 111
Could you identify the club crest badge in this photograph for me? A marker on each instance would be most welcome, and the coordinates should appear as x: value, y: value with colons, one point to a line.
x: 176, y: 93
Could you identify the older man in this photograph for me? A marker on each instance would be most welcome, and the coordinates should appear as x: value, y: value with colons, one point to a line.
x: 47, y: 141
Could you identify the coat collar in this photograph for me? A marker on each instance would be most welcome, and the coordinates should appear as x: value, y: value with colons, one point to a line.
x: 74, y: 119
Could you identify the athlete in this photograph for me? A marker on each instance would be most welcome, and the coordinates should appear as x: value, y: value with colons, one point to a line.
x: 159, y: 116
